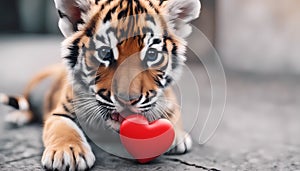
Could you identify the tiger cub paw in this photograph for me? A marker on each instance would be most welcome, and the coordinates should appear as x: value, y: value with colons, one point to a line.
x: 19, y: 118
x: 181, y: 145
x: 68, y: 157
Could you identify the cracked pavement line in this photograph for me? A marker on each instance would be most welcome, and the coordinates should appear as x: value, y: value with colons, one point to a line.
x: 20, y: 159
x: 192, y: 164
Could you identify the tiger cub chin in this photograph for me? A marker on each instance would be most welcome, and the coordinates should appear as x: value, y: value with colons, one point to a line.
x: 120, y: 56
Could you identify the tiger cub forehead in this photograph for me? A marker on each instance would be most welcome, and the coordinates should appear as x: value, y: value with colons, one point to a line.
x: 121, y: 20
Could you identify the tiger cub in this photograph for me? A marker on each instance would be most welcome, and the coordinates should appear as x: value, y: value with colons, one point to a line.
x: 120, y: 57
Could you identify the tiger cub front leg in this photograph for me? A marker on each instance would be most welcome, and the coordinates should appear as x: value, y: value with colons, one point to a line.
x: 66, y: 148
x: 183, y: 141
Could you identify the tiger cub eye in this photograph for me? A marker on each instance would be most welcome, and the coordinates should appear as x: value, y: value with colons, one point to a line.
x: 105, y: 53
x: 151, y: 54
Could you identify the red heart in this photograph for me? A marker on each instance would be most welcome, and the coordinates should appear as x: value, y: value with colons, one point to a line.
x: 146, y: 141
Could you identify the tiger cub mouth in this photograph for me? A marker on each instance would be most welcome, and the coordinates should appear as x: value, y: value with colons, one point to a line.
x: 117, y: 117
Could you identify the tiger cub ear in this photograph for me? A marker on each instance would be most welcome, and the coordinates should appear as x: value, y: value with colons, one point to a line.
x: 180, y: 13
x: 72, y: 15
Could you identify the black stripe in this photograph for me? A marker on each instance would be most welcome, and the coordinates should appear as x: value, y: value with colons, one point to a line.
x: 161, y: 2
x: 152, y: 6
x: 13, y: 102
x: 64, y: 115
x: 147, y: 98
x: 109, y: 13
x: 174, y: 56
x: 89, y: 31
x: 169, y: 80
x: 155, y: 41
x: 107, y: 17
x: 113, y: 10
x: 75, y: 26
x: 164, y: 49
x: 122, y: 14
x: 61, y: 14
x: 136, y: 10
x: 102, y: 7
x: 66, y: 108
x: 139, y: 99
x: 158, y: 83
x: 130, y: 7
x: 105, y: 97
x: 74, y: 53
x: 139, y: 7
x: 160, y: 75
x: 153, y: 92
x: 104, y: 104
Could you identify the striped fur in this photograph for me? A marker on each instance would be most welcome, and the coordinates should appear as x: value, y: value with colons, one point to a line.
x: 19, y: 103
x: 121, y: 57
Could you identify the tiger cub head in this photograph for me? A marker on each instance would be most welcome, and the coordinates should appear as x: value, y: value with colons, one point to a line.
x: 122, y: 55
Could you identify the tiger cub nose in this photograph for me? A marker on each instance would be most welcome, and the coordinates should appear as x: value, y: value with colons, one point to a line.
x: 128, y: 99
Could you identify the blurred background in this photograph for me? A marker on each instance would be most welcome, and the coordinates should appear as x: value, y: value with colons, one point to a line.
x: 258, y: 44
x: 250, y: 35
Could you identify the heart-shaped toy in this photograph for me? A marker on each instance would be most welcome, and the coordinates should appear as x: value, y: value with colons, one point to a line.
x: 146, y: 141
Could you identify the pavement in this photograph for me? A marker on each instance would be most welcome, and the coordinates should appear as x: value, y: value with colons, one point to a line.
x: 259, y: 130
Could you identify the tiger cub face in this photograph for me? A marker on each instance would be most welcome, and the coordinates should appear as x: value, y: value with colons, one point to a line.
x: 122, y: 55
